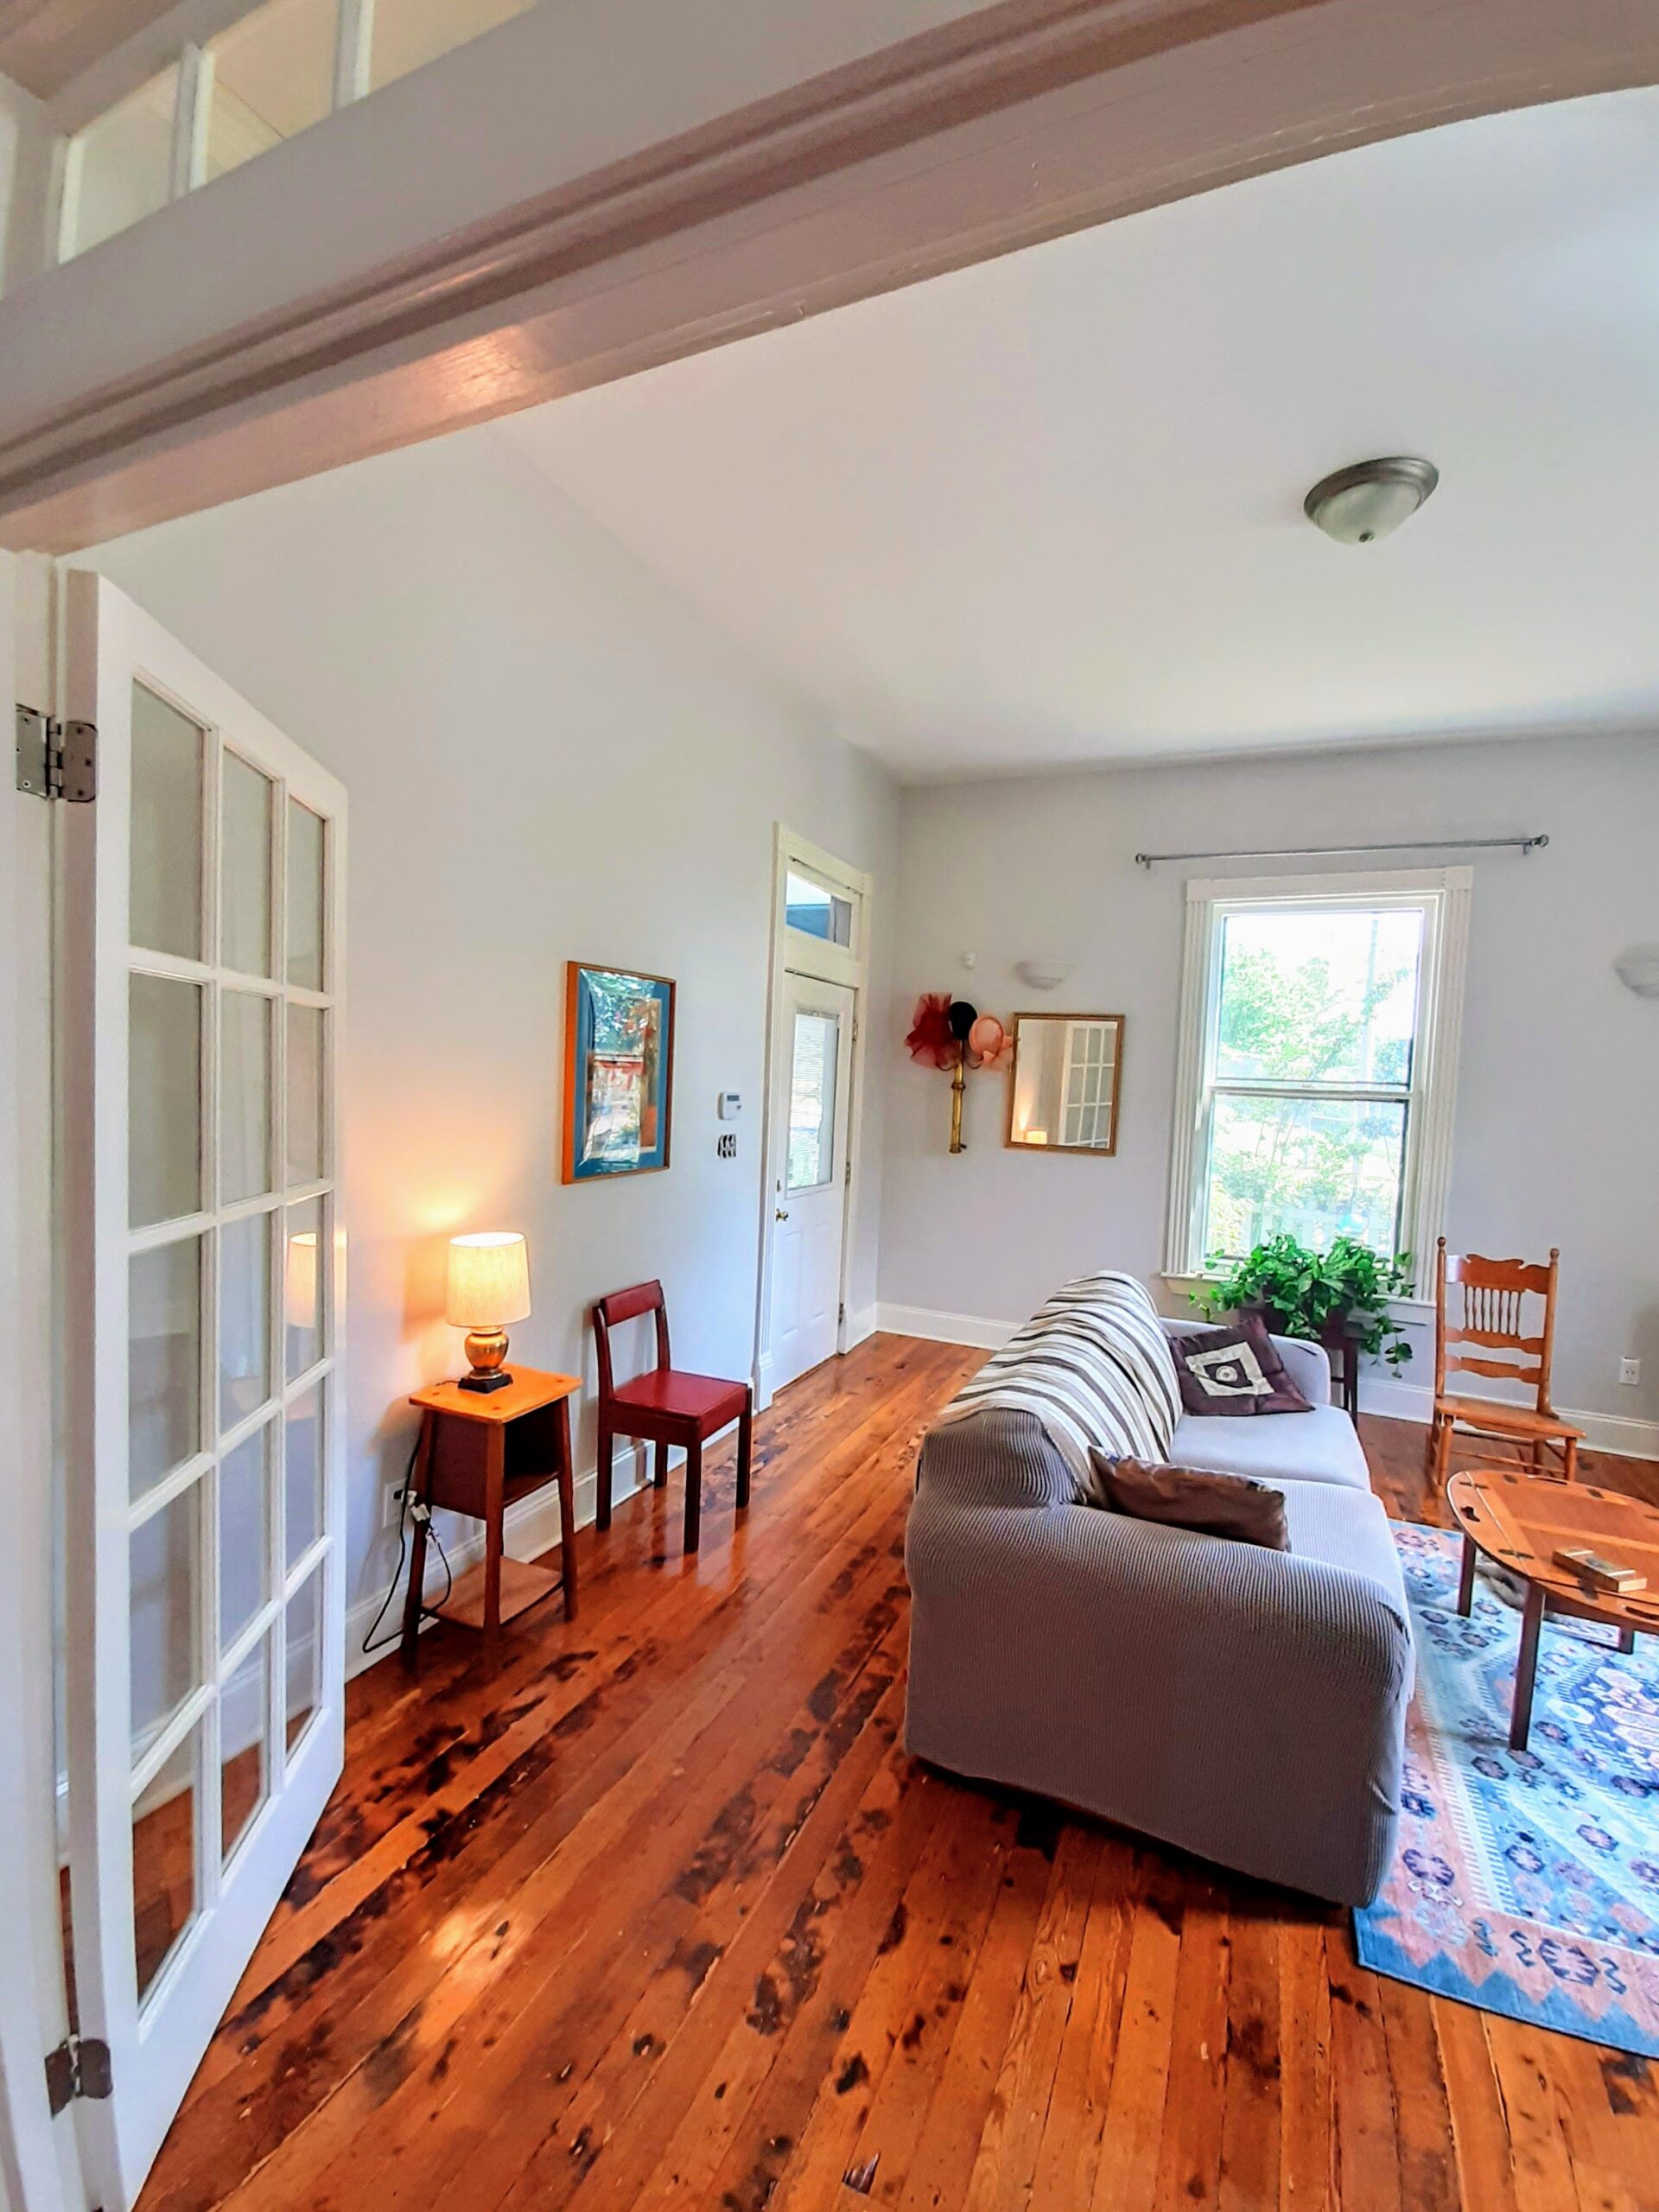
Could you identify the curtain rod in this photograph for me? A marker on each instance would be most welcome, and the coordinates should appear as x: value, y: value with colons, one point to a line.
x: 1338, y: 852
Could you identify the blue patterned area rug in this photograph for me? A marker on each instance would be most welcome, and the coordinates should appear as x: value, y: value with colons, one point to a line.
x: 1525, y: 1882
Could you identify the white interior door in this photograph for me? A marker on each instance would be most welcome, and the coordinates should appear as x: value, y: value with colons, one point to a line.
x: 812, y: 1094
x: 202, y: 954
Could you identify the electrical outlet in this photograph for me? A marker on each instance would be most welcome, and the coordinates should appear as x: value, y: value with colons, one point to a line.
x: 394, y: 1506
x: 1629, y: 1370
x: 727, y: 1148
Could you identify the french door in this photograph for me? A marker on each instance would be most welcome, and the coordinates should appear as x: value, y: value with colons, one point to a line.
x: 812, y: 1094
x: 202, y: 954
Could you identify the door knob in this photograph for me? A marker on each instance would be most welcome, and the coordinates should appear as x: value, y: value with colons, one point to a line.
x: 780, y: 1214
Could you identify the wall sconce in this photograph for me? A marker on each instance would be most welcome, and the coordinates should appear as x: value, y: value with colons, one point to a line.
x: 1042, y: 974
x: 1637, y: 968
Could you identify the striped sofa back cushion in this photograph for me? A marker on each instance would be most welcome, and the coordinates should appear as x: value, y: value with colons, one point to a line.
x: 1093, y: 1365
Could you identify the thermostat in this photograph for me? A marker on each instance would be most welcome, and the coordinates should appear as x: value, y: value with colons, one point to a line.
x: 731, y: 1105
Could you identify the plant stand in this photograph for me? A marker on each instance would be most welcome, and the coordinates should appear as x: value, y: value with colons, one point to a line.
x: 1344, y: 1354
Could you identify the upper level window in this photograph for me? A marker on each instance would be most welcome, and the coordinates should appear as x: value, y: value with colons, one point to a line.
x: 271, y: 72
x: 273, y: 76
x: 1317, y: 1064
x: 409, y: 33
x: 121, y: 165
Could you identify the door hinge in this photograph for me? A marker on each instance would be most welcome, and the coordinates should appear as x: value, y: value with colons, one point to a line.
x: 56, y: 760
x: 840, y: 1313
x: 79, y: 2067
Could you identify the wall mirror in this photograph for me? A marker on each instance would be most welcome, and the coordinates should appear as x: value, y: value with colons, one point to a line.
x: 1063, y: 1087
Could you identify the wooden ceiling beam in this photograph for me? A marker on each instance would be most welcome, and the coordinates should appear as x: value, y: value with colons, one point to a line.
x: 1016, y: 125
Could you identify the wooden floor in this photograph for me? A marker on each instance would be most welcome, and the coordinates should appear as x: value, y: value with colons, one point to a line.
x: 663, y: 1917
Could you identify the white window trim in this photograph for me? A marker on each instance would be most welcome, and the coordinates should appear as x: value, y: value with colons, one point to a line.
x: 799, y: 952
x: 1445, y: 894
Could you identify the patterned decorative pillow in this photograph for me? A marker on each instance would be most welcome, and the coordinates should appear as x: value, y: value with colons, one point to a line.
x: 1235, y: 1371
x: 1238, y: 1506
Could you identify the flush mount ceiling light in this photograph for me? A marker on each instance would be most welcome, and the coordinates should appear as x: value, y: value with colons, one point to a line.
x: 1359, y: 504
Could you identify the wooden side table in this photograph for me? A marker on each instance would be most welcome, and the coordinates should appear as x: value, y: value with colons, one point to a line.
x: 1519, y: 1522
x: 478, y: 1453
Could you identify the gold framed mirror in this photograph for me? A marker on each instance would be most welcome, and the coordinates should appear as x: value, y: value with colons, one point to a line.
x: 1063, y: 1082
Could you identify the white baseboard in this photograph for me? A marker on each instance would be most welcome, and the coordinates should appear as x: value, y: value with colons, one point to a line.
x: 864, y: 1323
x: 529, y: 1528
x: 1617, y: 1433
x: 944, y: 1328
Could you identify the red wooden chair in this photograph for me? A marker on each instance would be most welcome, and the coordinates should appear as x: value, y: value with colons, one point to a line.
x: 666, y: 1405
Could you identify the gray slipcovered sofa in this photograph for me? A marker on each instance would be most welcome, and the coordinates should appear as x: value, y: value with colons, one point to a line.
x: 1246, y: 1705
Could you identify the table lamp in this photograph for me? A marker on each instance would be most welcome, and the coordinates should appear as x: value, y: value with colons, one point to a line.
x: 489, y: 1286
x: 300, y: 1295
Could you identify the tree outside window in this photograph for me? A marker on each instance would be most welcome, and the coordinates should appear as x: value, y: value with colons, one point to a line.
x: 1309, y: 1057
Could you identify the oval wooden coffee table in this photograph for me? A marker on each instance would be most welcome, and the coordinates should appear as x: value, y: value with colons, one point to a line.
x: 1519, y: 1522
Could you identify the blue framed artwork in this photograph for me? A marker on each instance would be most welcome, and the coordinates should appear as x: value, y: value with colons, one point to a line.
x: 619, y: 1073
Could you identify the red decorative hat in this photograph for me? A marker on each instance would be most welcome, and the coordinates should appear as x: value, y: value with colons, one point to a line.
x: 930, y: 1039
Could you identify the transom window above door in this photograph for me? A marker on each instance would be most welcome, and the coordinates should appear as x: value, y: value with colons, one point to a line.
x: 817, y: 908
x: 1317, y: 1064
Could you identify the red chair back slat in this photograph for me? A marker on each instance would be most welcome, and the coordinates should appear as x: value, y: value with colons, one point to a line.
x: 627, y: 1306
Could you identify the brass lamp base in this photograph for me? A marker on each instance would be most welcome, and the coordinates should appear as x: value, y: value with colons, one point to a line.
x: 486, y: 1348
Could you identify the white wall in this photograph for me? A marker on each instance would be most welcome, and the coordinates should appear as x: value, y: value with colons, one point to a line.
x: 547, y: 758
x: 1556, y: 1111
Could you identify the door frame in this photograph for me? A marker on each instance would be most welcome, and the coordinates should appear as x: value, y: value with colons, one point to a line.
x: 40, y: 2158
x: 791, y: 951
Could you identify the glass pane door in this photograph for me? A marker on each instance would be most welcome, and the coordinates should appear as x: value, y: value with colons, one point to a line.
x: 812, y: 1101
x: 203, y: 1576
x: 1087, y: 1113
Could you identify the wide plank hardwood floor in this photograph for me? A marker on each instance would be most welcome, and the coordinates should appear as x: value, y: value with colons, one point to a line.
x: 662, y: 1915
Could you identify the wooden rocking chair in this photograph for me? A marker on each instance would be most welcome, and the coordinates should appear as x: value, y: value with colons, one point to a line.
x: 1489, y: 1320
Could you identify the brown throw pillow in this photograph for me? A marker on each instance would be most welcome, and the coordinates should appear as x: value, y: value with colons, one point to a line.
x: 1238, y: 1506
x: 1235, y: 1371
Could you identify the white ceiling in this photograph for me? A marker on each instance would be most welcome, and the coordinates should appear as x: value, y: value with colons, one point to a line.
x: 1048, y: 510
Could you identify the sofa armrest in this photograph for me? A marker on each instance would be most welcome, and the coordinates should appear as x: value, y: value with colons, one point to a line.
x: 1307, y: 1364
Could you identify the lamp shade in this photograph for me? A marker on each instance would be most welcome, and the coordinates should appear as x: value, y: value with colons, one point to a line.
x: 300, y: 1298
x: 489, y: 1280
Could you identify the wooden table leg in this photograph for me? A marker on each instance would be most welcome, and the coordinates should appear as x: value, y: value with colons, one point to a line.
x: 745, y: 1449
x: 693, y: 1493
x: 567, y: 1513
x: 418, y: 1484
x: 494, y: 1516
x: 1526, y: 1666
x: 1466, y: 1579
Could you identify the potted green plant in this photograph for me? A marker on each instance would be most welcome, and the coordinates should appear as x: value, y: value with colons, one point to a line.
x: 1336, y: 1298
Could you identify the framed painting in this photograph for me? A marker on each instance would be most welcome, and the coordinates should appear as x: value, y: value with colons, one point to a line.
x: 619, y: 1073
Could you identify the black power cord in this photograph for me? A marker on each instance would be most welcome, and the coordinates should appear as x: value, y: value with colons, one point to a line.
x: 409, y: 1505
